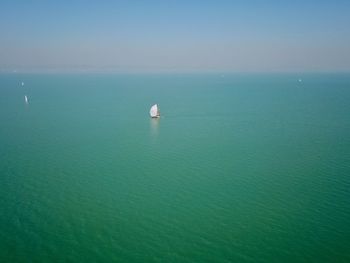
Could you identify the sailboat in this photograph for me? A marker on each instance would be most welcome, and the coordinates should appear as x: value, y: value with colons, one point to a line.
x: 26, y: 99
x: 154, y: 111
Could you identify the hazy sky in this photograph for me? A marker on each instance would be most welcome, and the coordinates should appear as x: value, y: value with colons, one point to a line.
x: 175, y: 35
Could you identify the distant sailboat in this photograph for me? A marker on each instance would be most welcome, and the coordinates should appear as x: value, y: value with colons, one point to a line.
x: 154, y: 111
x: 22, y: 83
x: 26, y: 99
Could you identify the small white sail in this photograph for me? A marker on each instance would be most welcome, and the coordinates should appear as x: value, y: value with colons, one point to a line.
x: 22, y: 83
x: 26, y: 99
x: 154, y: 112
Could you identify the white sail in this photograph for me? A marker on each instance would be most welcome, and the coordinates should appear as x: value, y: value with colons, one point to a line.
x: 154, y: 111
x: 26, y: 99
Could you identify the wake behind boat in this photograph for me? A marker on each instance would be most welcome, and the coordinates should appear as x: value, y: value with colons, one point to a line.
x: 154, y: 111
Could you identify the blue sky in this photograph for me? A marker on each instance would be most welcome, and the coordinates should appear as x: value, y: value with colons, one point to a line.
x: 175, y: 35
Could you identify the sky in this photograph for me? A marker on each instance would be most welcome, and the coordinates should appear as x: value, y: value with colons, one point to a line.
x: 128, y: 36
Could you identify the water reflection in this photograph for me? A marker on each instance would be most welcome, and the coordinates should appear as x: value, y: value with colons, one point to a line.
x: 154, y: 124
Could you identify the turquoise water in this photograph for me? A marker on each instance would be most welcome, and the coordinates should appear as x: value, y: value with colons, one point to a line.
x: 239, y: 168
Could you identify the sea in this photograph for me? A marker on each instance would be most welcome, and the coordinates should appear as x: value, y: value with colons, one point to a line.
x: 240, y: 167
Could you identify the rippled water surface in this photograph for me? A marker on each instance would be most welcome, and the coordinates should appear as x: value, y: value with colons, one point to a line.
x: 239, y: 168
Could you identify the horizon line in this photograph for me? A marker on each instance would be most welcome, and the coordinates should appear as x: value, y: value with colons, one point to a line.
x: 158, y: 71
